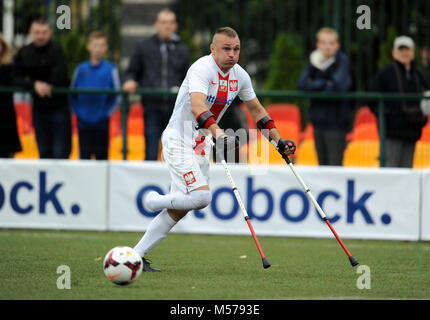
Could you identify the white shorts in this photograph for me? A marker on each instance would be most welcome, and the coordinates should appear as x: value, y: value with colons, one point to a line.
x: 187, y: 169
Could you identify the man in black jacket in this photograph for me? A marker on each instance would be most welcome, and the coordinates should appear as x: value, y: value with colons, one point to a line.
x: 403, y: 119
x: 161, y: 62
x: 41, y: 66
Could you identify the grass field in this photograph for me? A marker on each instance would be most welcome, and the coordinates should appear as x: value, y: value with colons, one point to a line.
x: 211, y: 267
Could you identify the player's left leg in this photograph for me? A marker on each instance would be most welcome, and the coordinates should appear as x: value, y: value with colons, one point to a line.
x: 194, y: 200
x: 161, y: 225
x: 189, y: 190
x: 155, y: 233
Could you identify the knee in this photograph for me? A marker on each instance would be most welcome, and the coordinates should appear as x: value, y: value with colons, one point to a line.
x: 201, y: 198
x: 177, y: 215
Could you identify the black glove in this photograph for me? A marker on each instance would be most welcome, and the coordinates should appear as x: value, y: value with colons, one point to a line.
x: 286, y: 146
x: 225, y: 145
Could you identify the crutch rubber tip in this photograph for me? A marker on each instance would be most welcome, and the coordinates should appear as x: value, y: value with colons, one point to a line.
x: 353, y: 261
x: 266, y: 263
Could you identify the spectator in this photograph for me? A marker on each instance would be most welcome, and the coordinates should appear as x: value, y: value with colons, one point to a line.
x: 41, y: 66
x: 403, y: 119
x: 160, y: 61
x: 328, y: 71
x: 93, y: 111
x: 9, y: 140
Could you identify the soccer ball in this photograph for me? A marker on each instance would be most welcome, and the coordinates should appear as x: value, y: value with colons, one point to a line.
x: 122, y: 265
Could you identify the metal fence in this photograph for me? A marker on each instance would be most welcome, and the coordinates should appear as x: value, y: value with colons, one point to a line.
x: 258, y: 22
x: 381, y: 99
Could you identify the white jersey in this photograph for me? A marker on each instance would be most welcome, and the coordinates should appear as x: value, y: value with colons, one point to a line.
x: 220, y: 88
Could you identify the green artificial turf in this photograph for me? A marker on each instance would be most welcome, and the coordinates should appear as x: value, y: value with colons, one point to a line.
x: 211, y: 267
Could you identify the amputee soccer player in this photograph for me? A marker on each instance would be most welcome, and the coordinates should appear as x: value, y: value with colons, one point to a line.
x: 210, y: 86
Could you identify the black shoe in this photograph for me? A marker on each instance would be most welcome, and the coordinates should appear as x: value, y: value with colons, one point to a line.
x: 147, y: 266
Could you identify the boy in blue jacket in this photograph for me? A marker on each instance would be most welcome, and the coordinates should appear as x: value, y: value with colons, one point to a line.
x: 94, y: 110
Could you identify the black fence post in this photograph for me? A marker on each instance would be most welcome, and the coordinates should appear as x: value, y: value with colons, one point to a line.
x: 124, y: 112
x: 381, y: 128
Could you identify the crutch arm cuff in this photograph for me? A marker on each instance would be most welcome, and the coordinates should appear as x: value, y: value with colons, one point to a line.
x: 205, y: 120
x: 266, y: 123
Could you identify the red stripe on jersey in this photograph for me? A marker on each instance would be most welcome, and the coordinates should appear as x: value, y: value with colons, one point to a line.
x: 221, y: 96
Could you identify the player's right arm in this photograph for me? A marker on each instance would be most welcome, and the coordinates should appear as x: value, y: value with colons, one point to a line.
x: 199, y: 110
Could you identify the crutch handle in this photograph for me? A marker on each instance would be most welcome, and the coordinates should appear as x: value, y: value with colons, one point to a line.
x: 283, y: 155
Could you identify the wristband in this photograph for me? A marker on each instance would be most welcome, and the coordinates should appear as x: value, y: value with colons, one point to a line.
x: 266, y: 123
x: 205, y: 120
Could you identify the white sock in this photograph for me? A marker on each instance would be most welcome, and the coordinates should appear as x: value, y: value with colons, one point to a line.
x: 157, y: 230
x: 197, y: 199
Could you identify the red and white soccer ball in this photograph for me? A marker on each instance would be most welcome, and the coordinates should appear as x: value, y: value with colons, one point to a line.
x: 122, y: 265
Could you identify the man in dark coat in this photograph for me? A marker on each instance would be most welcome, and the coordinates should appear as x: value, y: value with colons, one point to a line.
x: 328, y: 71
x: 403, y: 119
x: 160, y: 62
x: 41, y: 66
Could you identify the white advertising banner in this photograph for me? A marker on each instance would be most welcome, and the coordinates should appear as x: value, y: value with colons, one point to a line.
x: 425, y: 217
x: 360, y: 203
x: 129, y: 181
x: 59, y: 194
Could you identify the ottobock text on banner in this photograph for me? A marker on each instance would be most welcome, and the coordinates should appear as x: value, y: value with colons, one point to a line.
x: 53, y: 194
x: 360, y: 203
x: 425, y: 218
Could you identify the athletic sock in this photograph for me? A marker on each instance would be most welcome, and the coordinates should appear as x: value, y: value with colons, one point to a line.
x: 197, y: 199
x: 157, y: 230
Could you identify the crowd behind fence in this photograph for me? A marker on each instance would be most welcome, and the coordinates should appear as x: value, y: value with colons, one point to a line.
x: 362, y: 98
x: 284, y: 31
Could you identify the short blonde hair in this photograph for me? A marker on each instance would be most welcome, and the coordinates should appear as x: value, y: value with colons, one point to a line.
x: 6, y: 51
x: 329, y: 31
x: 97, y: 35
x: 229, y: 32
